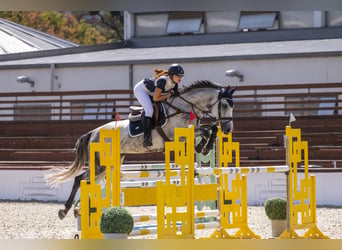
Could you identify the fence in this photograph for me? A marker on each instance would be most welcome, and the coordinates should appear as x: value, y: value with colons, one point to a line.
x: 255, y: 101
x: 71, y: 105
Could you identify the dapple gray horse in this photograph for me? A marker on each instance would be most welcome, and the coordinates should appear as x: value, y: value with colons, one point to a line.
x: 203, y: 98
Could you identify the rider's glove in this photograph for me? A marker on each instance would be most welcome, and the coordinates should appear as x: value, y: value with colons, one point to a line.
x: 174, y: 93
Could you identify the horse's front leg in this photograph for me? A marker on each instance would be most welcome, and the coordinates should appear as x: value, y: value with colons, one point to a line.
x: 77, y: 182
x: 211, y: 140
x: 204, y: 134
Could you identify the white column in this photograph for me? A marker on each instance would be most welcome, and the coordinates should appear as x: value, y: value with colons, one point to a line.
x: 319, y: 19
x: 128, y: 25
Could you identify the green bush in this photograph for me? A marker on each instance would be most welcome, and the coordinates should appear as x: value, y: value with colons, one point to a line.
x: 275, y: 208
x: 116, y: 220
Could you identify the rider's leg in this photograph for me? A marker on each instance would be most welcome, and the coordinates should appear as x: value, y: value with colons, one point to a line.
x: 142, y: 95
x: 147, y: 131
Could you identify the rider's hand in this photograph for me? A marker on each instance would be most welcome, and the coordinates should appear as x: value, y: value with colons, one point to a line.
x: 174, y: 94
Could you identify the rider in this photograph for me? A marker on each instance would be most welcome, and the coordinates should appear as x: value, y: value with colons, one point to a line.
x: 164, y: 84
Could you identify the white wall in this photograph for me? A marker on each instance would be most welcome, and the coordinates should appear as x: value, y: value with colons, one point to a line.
x: 30, y: 185
x: 93, y: 78
x: 262, y: 186
x: 256, y: 72
x: 272, y: 71
x: 8, y: 80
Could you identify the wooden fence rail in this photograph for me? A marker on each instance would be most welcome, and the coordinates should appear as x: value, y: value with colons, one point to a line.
x: 39, y: 129
x: 255, y: 101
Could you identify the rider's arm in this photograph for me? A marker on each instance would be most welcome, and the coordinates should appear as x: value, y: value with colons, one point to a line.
x: 175, y: 90
x: 157, y: 97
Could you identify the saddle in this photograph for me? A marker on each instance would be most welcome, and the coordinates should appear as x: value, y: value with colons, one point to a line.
x: 137, y: 113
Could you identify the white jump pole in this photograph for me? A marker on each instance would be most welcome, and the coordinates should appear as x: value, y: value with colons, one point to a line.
x: 242, y: 170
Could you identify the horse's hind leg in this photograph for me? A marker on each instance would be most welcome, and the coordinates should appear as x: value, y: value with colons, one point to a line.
x: 77, y: 182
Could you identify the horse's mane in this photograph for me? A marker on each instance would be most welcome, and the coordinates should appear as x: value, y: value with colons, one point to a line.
x: 200, y: 84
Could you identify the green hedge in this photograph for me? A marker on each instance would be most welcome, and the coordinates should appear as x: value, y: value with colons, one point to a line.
x: 275, y: 208
x: 116, y: 220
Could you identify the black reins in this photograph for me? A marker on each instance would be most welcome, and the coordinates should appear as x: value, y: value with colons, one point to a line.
x: 193, y: 107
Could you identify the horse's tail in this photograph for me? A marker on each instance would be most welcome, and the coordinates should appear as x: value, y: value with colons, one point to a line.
x: 55, y: 178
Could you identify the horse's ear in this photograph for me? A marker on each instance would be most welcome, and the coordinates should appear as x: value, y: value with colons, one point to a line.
x: 231, y: 92
x: 225, y: 92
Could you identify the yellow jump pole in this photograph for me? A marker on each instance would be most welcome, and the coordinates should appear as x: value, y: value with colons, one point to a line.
x: 108, y: 149
x: 301, y: 200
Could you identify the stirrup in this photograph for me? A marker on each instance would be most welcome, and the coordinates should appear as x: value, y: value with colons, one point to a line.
x: 147, y: 142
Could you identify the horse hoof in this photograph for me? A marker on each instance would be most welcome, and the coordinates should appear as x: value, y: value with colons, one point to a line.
x: 205, y: 151
x: 61, y: 214
x: 198, y: 149
x: 77, y: 213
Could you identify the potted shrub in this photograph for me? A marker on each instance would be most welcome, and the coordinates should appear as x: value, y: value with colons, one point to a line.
x: 275, y: 209
x: 116, y: 222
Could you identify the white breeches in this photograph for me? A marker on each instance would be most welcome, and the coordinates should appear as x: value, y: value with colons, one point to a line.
x: 143, y: 96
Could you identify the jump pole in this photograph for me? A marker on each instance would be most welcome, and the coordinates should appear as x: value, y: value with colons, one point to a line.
x: 177, y: 207
x: 108, y: 148
x: 301, y: 199
x: 297, y: 151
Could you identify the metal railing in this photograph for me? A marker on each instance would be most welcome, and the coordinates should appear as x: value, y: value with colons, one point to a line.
x: 70, y: 105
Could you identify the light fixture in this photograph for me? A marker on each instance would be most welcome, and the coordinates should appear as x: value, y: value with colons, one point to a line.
x: 234, y: 73
x: 25, y: 79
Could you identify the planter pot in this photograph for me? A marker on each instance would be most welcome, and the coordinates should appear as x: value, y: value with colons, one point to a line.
x: 278, y: 226
x: 114, y: 236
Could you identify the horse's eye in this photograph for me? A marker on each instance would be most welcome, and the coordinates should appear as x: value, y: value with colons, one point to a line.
x: 224, y: 105
x: 230, y: 102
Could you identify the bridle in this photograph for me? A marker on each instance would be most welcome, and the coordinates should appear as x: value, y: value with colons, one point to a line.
x: 226, y: 94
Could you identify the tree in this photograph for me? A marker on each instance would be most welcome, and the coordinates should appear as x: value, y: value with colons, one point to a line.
x: 72, y: 26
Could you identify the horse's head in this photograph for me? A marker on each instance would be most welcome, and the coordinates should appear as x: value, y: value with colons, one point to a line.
x: 206, y: 96
x: 225, y: 107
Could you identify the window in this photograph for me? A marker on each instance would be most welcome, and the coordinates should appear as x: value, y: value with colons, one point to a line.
x: 247, y: 108
x: 257, y: 20
x: 32, y: 112
x: 222, y: 21
x: 311, y: 105
x: 296, y: 19
x: 150, y: 24
x: 334, y: 18
x: 92, y: 111
x: 326, y: 104
x: 184, y: 22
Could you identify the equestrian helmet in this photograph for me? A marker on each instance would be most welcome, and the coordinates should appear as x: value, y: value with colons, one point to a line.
x: 175, y: 69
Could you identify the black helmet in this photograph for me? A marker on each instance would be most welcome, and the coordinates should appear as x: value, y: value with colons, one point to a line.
x: 175, y: 69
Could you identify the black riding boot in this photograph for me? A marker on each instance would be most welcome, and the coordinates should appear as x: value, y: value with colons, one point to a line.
x: 147, y: 131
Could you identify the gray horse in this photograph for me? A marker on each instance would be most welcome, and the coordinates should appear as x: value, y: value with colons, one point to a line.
x: 203, y: 98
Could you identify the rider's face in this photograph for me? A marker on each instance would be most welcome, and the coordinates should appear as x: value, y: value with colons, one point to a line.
x: 176, y: 78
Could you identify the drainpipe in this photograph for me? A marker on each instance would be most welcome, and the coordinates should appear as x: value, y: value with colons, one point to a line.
x: 52, y: 76
x: 130, y: 79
